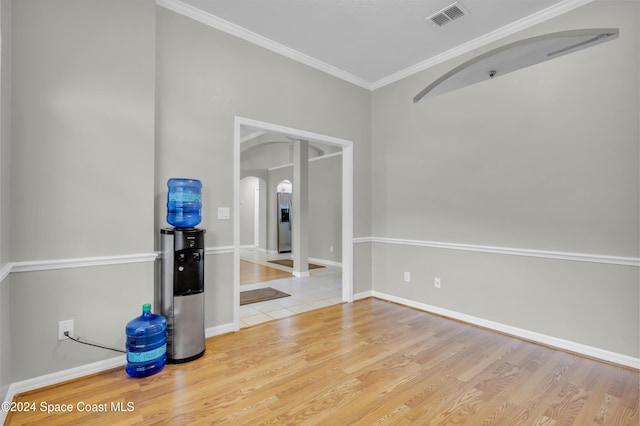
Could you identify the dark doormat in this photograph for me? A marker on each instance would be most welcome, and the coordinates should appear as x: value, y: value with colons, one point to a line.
x: 289, y: 263
x: 260, y: 295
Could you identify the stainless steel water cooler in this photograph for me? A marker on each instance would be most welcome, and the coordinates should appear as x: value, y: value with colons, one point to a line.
x: 182, y: 292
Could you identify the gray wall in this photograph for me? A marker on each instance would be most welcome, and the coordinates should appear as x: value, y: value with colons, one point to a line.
x: 83, y: 128
x: 325, y: 208
x: 204, y: 79
x: 110, y: 99
x: 82, y: 167
x: 248, y: 188
x: 5, y: 335
x: 5, y: 145
x: 5, y: 128
x: 545, y: 158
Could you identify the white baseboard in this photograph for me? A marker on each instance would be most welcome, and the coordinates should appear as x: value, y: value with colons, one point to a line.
x: 84, y: 370
x: 363, y: 295
x: 253, y: 247
x: 543, y: 339
x: 218, y: 330
x: 218, y: 250
x: 60, y: 376
x: 325, y: 262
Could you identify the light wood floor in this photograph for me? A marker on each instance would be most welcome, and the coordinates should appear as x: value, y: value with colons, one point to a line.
x: 369, y: 362
x: 251, y: 273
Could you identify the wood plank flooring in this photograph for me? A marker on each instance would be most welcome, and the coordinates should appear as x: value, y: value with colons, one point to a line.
x: 365, y: 363
x: 251, y: 273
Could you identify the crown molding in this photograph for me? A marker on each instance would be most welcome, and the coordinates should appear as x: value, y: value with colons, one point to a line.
x: 512, y: 28
x: 213, y: 21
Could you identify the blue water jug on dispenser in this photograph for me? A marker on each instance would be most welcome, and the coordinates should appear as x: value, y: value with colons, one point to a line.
x: 184, y: 202
x: 146, y: 343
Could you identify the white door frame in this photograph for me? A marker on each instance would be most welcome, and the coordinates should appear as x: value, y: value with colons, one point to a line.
x: 347, y: 202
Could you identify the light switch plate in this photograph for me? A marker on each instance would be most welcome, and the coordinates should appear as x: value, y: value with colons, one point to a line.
x: 224, y: 213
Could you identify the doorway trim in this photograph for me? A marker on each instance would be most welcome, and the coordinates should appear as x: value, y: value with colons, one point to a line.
x: 347, y: 202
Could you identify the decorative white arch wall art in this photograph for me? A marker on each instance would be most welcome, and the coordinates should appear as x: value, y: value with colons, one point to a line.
x: 517, y: 55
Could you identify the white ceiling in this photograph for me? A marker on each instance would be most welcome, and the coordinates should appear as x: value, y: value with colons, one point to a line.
x: 369, y: 42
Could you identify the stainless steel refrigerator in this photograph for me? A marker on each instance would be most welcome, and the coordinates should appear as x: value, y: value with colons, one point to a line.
x: 284, y: 222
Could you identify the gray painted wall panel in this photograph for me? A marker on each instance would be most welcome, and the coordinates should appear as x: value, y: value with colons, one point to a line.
x: 100, y: 300
x: 325, y: 209
x: 82, y: 128
x: 5, y: 335
x: 5, y: 163
x: 206, y: 78
x: 589, y: 303
x: 545, y: 158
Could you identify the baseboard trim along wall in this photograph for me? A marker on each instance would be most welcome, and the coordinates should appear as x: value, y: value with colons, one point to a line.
x: 59, y: 377
x: 84, y: 370
x: 217, y: 250
x: 543, y: 339
x: 325, y: 262
x: 218, y: 330
x: 547, y: 254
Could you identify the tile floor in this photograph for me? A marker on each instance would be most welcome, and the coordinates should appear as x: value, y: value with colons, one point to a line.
x: 322, y: 288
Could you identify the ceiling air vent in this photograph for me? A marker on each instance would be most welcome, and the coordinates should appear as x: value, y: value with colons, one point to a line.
x: 448, y: 14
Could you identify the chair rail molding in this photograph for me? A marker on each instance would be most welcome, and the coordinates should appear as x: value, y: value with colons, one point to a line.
x: 83, y: 262
x: 548, y: 254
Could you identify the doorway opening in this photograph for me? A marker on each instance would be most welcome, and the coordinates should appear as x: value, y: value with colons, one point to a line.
x: 244, y: 126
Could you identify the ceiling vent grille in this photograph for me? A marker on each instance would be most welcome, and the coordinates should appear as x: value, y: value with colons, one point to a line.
x: 448, y: 14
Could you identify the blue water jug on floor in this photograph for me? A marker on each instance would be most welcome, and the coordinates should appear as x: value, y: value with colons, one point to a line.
x: 184, y: 202
x: 146, y: 343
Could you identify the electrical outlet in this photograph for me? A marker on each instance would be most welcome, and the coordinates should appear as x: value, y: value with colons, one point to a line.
x: 63, y: 326
x: 407, y: 277
x: 331, y: 249
x: 436, y: 282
